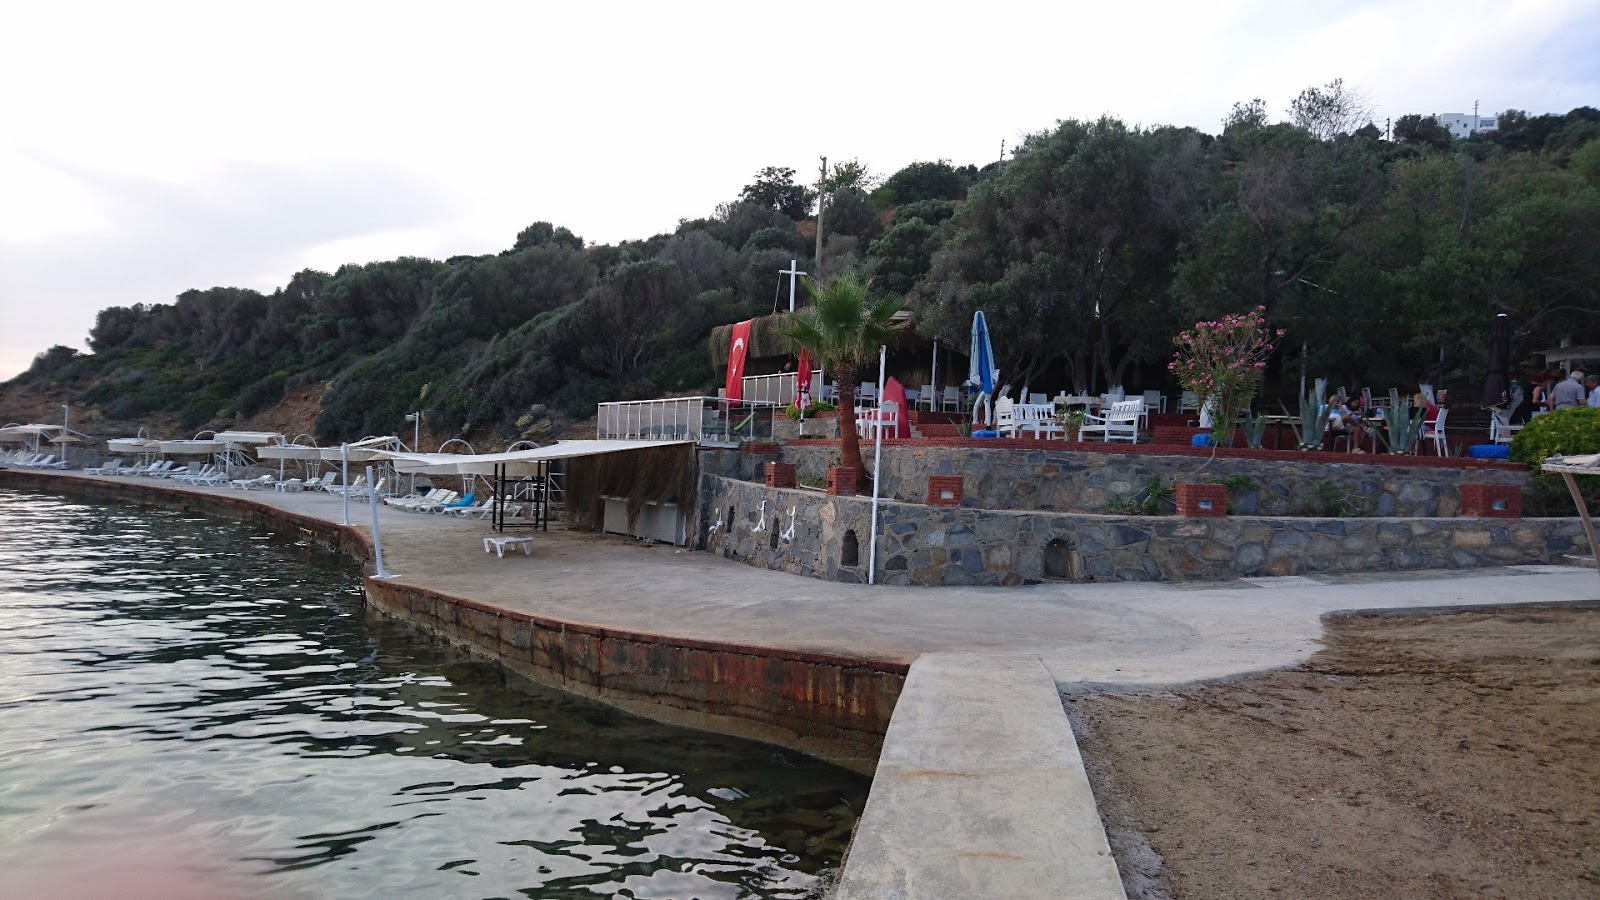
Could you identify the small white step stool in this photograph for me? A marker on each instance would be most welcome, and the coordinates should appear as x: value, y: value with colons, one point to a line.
x: 499, y: 545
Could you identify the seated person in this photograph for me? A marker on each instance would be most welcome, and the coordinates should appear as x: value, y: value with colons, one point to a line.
x: 1346, y: 421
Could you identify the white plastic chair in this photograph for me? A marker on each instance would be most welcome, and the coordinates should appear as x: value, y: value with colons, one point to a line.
x: 1005, y: 417
x: 1188, y: 402
x: 1155, y: 401
x: 926, y: 397
x: 1435, y: 432
x: 950, y: 400
x: 867, y: 394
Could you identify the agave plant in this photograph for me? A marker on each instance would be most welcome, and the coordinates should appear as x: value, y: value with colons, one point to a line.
x: 1312, y: 421
x: 1255, y: 428
x: 1404, y: 427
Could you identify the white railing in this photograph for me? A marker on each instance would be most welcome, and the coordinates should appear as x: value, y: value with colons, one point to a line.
x: 778, y: 388
x: 704, y: 419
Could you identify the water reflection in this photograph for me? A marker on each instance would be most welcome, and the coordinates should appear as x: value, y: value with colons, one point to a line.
x: 213, y: 695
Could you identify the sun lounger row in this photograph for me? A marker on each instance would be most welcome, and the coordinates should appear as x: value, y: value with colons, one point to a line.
x: 35, y: 461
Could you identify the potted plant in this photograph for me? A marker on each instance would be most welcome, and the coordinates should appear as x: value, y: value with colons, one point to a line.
x: 1071, y: 419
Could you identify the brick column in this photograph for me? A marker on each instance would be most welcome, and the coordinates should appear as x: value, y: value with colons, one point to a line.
x: 1491, y: 501
x: 780, y: 475
x: 842, y: 480
x: 944, y: 490
x: 1202, y: 499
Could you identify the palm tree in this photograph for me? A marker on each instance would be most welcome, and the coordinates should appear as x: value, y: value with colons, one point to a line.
x: 843, y: 328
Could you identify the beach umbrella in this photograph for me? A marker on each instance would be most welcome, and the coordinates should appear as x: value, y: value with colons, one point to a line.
x: 981, y: 371
x: 1497, y: 383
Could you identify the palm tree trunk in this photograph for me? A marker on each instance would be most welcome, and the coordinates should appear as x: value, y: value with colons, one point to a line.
x: 849, y: 441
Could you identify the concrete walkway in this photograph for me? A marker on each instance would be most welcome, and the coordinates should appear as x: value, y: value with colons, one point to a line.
x: 980, y: 791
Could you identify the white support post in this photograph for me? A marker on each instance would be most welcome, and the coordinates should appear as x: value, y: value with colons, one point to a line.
x: 377, y: 541
x: 344, y: 476
x: 877, y: 470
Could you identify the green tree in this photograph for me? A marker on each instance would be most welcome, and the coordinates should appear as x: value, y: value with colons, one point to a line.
x: 1422, y: 131
x: 1329, y: 111
x: 541, y: 233
x: 843, y: 328
x: 926, y: 181
x: 775, y: 189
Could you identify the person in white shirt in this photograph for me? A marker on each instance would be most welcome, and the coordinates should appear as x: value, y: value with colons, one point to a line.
x: 1594, y: 390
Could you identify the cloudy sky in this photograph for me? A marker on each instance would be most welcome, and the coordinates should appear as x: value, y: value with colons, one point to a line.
x: 149, y: 148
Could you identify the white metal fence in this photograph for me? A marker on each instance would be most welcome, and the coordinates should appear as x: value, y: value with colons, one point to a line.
x: 706, y: 419
x: 779, y: 388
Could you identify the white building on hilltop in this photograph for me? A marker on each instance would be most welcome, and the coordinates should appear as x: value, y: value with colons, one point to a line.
x: 1466, y: 124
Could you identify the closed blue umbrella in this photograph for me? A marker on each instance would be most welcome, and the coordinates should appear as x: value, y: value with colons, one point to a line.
x: 981, y: 371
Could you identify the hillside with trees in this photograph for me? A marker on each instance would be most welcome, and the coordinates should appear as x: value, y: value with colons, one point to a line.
x: 1089, y: 249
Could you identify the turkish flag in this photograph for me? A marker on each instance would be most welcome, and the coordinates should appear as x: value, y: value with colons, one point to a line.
x: 737, y: 349
x: 803, y: 379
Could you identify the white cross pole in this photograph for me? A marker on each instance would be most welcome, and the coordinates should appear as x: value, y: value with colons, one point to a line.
x: 793, y: 272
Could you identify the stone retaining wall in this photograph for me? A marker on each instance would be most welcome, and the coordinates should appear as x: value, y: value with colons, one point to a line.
x: 806, y: 532
x: 1069, y: 481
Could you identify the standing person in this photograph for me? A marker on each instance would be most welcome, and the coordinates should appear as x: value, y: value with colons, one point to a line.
x: 1540, y: 399
x: 1593, y: 384
x: 1568, y: 393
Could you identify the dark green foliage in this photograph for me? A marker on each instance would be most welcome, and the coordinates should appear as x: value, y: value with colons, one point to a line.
x: 1421, y: 130
x: 1089, y: 248
x: 1565, y: 432
x: 541, y: 234
x: 926, y: 181
x: 775, y: 189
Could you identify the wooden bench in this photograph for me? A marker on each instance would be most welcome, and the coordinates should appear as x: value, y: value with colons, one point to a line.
x: 499, y: 545
x: 1120, y: 422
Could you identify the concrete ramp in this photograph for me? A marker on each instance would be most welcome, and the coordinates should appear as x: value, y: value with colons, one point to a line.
x: 980, y: 792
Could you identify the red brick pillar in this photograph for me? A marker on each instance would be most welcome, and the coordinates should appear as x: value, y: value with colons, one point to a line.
x: 1202, y: 500
x: 944, y: 490
x: 780, y: 475
x: 1491, y: 501
x: 842, y: 480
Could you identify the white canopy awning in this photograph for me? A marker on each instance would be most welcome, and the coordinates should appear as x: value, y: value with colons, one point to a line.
x: 248, y: 438
x: 133, y: 445
x: 517, y: 462
x: 190, y: 448
x: 290, y: 451
x: 365, y: 450
x: 27, y: 432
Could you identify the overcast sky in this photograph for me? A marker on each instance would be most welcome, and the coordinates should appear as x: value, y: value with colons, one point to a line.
x: 149, y: 148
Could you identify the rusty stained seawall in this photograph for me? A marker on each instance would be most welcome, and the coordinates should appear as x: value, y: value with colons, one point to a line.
x: 834, y: 707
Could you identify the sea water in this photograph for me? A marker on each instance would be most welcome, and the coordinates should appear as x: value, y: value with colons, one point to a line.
x: 191, y: 707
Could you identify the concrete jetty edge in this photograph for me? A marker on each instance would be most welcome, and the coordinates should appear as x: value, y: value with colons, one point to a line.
x: 831, y: 706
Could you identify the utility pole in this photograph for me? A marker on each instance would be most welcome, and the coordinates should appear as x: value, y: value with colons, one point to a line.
x: 1002, y: 150
x: 822, y: 197
x: 1386, y: 133
x: 1474, y: 117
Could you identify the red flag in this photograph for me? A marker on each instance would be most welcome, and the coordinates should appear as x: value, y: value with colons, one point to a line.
x: 802, y: 377
x: 737, y: 349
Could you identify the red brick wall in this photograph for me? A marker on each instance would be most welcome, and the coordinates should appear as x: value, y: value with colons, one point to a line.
x: 940, y: 485
x: 1481, y: 500
x: 1202, y: 499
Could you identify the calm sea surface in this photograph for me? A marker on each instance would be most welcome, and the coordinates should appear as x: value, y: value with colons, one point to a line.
x: 195, y: 708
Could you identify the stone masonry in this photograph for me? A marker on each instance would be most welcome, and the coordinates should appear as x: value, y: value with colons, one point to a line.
x: 1068, y: 481
x: 806, y: 532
